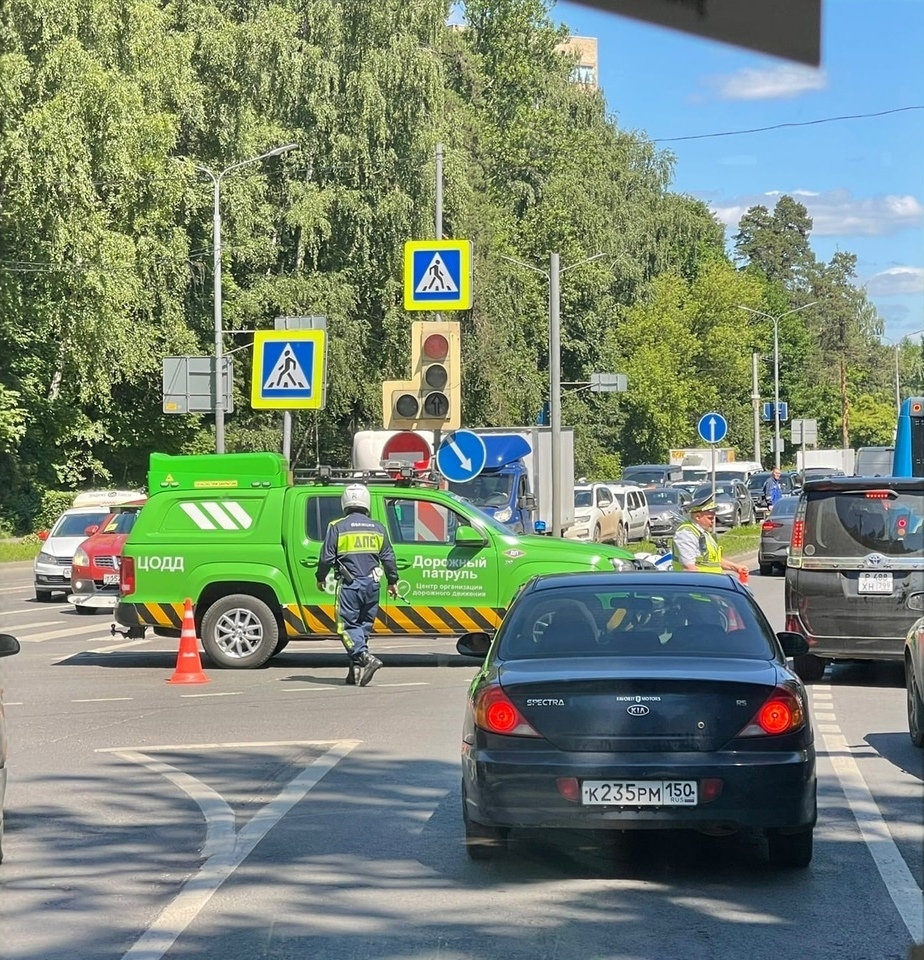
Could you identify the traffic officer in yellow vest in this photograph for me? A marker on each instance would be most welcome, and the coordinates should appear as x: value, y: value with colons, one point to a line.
x: 358, y: 550
x: 695, y: 546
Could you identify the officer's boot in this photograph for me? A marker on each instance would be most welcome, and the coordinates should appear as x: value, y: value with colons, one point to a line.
x: 353, y: 672
x: 370, y: 664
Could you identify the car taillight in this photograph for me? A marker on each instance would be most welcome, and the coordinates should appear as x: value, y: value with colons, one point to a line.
x: 497, y: 713
x: 127, y: 576
x: 782, y: 712
x: 770, y: 525
x: 798, y: 535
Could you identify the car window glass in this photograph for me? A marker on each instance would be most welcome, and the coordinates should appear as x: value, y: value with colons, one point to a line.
x: 840, y: 524
x: 785, y: 507
x: 604, y: 498
x: 667, y: 621
x: 319, y: 512
x: 420, y: 521
x: 120, y: 522
x: 75, y: 524
x: 583, y: 498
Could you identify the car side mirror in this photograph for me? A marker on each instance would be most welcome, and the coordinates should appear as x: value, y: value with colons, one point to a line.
x: 42, y: 535
x: 8, y: 645
x: 474, y: 645
x: 793, y: 644
x: 93, y: 528
x: 527, y: 502
x: 468, y: 536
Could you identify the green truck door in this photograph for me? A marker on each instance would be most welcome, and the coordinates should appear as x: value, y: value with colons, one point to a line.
x: 445, y: 586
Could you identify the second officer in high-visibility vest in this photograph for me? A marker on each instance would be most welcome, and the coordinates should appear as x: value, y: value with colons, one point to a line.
x: 358, y: 550
x: 695, y: 545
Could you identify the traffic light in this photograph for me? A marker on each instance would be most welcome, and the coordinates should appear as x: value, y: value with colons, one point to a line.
x: 432, y: 398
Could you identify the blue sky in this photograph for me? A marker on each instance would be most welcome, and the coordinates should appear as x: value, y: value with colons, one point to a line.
x: 861, y: 180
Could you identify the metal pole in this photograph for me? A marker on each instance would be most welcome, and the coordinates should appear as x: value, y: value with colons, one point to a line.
x: 712, y: 448
x: 219, y: 360
x: 287, y: 435
x: 776, y: 391
x: 898, y: 382
x: 438, y: 235
x: 755, y: 400
x: 555, y: 387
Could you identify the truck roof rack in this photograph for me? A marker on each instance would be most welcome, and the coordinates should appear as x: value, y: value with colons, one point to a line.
x: 394, y: 474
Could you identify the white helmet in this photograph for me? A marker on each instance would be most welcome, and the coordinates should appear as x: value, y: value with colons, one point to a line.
x: 356, y: 497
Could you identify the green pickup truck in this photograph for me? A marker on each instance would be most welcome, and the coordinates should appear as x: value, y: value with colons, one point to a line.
x: 234, y: 534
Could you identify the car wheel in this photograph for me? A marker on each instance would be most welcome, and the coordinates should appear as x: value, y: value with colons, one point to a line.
x: 646, y: 535
x: 622, y: 535
x: 239, y: 632
x: 915, y: 708
x: 283, y: 643
x: 790, y: 849
x: 809, y: 667
x: 43, y: 596
x: 483, y: 842
x: 766, y: 569
x: 596, y: 536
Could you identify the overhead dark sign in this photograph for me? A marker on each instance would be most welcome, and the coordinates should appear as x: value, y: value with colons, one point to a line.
x: 784, y: 28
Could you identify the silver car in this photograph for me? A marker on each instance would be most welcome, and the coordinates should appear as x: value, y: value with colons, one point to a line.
x: 8, y: 646
x: 775, y: 536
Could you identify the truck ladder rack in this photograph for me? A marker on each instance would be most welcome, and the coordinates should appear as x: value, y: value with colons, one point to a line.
x: 397, y: 474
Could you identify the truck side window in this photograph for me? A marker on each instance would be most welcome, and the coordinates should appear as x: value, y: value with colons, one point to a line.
x: 319, y: 512
x: 419, y: 521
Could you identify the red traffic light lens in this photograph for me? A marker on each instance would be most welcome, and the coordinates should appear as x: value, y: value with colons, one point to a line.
x: 435, y: 346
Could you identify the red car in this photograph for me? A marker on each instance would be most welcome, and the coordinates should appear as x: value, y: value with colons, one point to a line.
x: 95, y: 569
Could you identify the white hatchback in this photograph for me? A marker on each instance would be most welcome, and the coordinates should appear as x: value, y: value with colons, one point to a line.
x: 52, y: 567
x: 596, y: 514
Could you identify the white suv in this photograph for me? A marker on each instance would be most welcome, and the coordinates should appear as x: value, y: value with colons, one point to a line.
x: 633, y: 508
x: 596, y: 514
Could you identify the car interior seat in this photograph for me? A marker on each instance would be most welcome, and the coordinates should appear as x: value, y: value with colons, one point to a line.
x: 571, y: 629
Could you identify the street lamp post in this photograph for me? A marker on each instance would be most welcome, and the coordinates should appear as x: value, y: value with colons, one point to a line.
x: 554, y: 277
x: 897, y: 344
x: 216, y: 179
x: 776, y: 368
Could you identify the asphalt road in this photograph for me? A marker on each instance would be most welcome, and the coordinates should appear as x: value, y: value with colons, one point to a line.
x: 279, y: 814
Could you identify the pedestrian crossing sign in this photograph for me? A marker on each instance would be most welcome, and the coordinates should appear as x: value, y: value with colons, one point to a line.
x: 289, y: 370
x: 438, y: 275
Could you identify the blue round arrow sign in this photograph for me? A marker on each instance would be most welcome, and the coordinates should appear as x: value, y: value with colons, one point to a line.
x: 461, y: 456
x: 712, y: 427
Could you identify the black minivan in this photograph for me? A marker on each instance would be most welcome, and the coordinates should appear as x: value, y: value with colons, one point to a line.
x: 855, y: 572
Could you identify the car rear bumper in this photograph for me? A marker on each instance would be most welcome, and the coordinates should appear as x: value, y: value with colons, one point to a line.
x: 773, y: 553
x: 849, y: 648
x: 759, y: 790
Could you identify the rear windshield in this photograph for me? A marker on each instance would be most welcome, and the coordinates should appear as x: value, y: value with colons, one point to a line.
x: 840, y: 524
x: 75, y: 524
x: 665, y: 496
x: 785, y: 507
x: 656, y: 621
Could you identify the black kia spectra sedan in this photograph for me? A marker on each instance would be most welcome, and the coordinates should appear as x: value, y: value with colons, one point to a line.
x: 638, y: 701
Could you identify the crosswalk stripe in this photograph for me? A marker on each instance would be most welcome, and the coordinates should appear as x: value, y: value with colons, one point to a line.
x: 14, y: 628
x: 75, y: 632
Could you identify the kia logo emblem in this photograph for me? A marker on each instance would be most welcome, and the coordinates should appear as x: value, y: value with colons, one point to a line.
x: 638, y: 710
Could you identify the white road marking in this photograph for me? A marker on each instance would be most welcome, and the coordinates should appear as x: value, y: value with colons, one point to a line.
x: 16, y: 628
x: 229, y: 693
x: 415, y: 683
x: 14, y: 703
x: 825, y: 716
x: 220, y: 746
x: 306, y: 689
x: 898, y: 879
x: 102, y: 699
x: 224, y: 848
x: 68, y: 633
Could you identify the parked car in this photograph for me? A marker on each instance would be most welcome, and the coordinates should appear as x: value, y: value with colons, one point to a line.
x: 914, y: 678
x: 97, y: 561
x: 633, y: 504
x: 52, y: 567
x: 733, y: 502
x: 597, y: 516
x: 666, y: 510
x: 637, y: 702
x: 651, y: 474
x: 790, y: 482
x: 855, y: 573
x: 775, y: 536
x: 8, y: 646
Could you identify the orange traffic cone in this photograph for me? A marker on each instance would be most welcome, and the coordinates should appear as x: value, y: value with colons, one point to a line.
x: 743, y: 577
x: 188, y: 664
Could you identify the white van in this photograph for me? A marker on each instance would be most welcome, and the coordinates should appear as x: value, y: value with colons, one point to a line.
x: 633, y: 504
x: 732, y: 470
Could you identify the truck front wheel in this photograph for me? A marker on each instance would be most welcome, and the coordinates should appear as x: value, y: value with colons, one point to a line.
x: 239, y: 632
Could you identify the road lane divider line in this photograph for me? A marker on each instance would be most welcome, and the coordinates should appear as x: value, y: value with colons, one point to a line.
x: 101, y: 699
x: 15, y: 628
x: 226, y: 848
x: 74, y: 633
x: 223, y: 693
x: 899, y: 881
x: 307, y: 689
x: 414, y: 683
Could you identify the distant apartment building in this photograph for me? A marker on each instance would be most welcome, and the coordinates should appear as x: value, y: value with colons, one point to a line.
x: 585, y: 70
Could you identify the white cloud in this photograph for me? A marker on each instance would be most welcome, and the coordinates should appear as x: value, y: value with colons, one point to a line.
x: 775, y: 83
x: 835, y: 213
x: 896, y: 281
